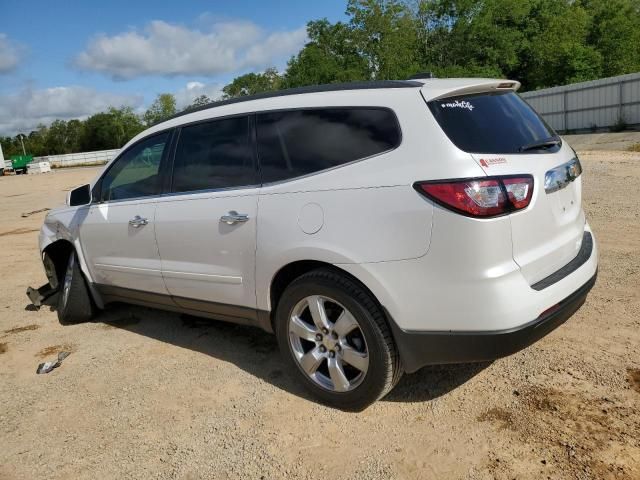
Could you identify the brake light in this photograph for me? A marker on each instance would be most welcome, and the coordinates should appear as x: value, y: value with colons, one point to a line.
x: 480, y: 197
x: 519, y: 191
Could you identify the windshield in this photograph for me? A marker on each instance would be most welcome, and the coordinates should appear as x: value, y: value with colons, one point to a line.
x: 494, y: 123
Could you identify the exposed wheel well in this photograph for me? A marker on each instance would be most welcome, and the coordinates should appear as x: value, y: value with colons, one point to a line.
x: 59, y: 252
x: 290, y: 272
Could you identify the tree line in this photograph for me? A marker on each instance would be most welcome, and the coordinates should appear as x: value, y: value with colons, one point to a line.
x: 541, y: 43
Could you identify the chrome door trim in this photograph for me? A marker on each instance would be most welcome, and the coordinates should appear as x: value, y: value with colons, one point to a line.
x: 205, y: 277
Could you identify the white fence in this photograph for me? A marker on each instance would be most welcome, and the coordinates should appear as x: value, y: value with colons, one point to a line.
x: 76, y: 159
x: 590, y: 105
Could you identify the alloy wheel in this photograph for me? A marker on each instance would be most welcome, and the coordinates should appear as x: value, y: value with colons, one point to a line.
x: 328, y: 343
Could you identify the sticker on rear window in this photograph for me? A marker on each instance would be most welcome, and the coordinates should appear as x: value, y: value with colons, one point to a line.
x: 458, y: 104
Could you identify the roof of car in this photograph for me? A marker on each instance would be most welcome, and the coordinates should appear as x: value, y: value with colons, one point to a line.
x: 432, y: 87
x: 330, y: 87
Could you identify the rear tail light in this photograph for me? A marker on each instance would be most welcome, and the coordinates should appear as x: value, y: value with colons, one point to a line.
x: 480, y: 197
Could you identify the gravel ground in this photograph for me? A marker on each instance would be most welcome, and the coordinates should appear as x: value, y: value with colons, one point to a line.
x: 148, y: 394
x: 603, y: 141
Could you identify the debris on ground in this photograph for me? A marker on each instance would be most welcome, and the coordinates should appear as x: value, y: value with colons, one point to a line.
x: 28, y: 214
x: 55, y: 349
x: 25, y: 328
x: 46, y: 367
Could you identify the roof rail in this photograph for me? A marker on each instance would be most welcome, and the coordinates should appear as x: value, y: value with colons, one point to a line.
x: 330, y: 87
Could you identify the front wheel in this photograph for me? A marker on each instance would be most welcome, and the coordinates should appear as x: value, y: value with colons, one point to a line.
x: 335, y: 337
x: 74, y: 302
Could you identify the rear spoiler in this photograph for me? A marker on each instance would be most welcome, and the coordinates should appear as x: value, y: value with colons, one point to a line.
x: 435, y: 89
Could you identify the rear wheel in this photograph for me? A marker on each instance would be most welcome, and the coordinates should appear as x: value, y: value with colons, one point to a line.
x: 336, y: 339
x: 74, y: 302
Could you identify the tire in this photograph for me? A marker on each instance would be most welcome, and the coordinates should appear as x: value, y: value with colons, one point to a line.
x: 355, y: 330
x: 74, y: 302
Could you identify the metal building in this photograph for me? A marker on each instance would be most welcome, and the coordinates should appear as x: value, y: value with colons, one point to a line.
x: 590, y: 106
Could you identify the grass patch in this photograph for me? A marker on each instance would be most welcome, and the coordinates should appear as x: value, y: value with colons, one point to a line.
x: 634, y: 148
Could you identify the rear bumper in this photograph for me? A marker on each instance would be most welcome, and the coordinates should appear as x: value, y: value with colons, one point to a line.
x: 418, y: 349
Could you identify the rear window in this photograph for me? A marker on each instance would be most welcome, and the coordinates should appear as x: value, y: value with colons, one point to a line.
x: 299, y: 142
x: 492, y: 123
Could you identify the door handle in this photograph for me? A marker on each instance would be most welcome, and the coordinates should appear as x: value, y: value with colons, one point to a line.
x: 234, y: 217
x: 138, y: 221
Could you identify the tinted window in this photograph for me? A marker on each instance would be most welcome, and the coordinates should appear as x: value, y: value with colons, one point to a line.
x: 214, y: 155
x: 490, y: 123
x: 135, y: 172
x: 299, y: 142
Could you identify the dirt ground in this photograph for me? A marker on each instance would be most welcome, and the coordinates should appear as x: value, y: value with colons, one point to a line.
x: 147, y: 394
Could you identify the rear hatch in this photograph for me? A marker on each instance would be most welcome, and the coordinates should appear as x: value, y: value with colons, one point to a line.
x: 505, y: 136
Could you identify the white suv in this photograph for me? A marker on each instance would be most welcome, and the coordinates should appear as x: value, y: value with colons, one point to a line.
x: 374, y: 227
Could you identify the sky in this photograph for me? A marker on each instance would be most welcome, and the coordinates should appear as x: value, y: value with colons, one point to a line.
x: 69, y: 59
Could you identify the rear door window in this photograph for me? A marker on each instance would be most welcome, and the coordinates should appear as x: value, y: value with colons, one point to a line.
x: 299, y: 142
x: 492, y: 123
x: 214, y: 155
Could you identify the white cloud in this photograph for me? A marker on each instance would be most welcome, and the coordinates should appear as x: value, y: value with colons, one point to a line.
x: 23, y: 111
x: 9, y: 54
x: 193, y: 90
x: 166, y: 49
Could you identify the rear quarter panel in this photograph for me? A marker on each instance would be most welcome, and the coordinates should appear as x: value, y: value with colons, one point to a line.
x: 368, y: 210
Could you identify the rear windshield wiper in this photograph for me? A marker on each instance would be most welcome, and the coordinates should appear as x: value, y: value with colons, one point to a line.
x: 549, y: 142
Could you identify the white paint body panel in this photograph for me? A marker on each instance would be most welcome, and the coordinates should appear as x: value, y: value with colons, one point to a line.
x: 203, y: 258
x: 432, y: 269
x: 547, y: 234
x: 119, y: 254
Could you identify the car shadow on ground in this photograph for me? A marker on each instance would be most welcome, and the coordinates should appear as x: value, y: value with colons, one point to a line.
x: 257, y: 353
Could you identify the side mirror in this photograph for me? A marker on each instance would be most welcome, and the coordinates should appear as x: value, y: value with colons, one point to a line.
x: 79, y: 196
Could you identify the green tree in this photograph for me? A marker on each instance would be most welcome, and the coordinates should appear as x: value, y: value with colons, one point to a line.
x: 539, y: 42
x: 468, y: 38
x: 111, y: 129
x: 63, y: 137
x: 125, y: 124
x: 330, y: 56
x: 252, y: 83
x: 10, y: 146
x: 36, y: 142
x: 74, y: 134
x: 557, y: 52
x: 385, y: 34
x: 614, y: 31
x: 97, y: 133
x: 200, y: 101
x: 163, y: 107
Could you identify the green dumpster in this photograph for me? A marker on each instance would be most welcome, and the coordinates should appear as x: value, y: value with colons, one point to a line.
x: 20, y: 162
